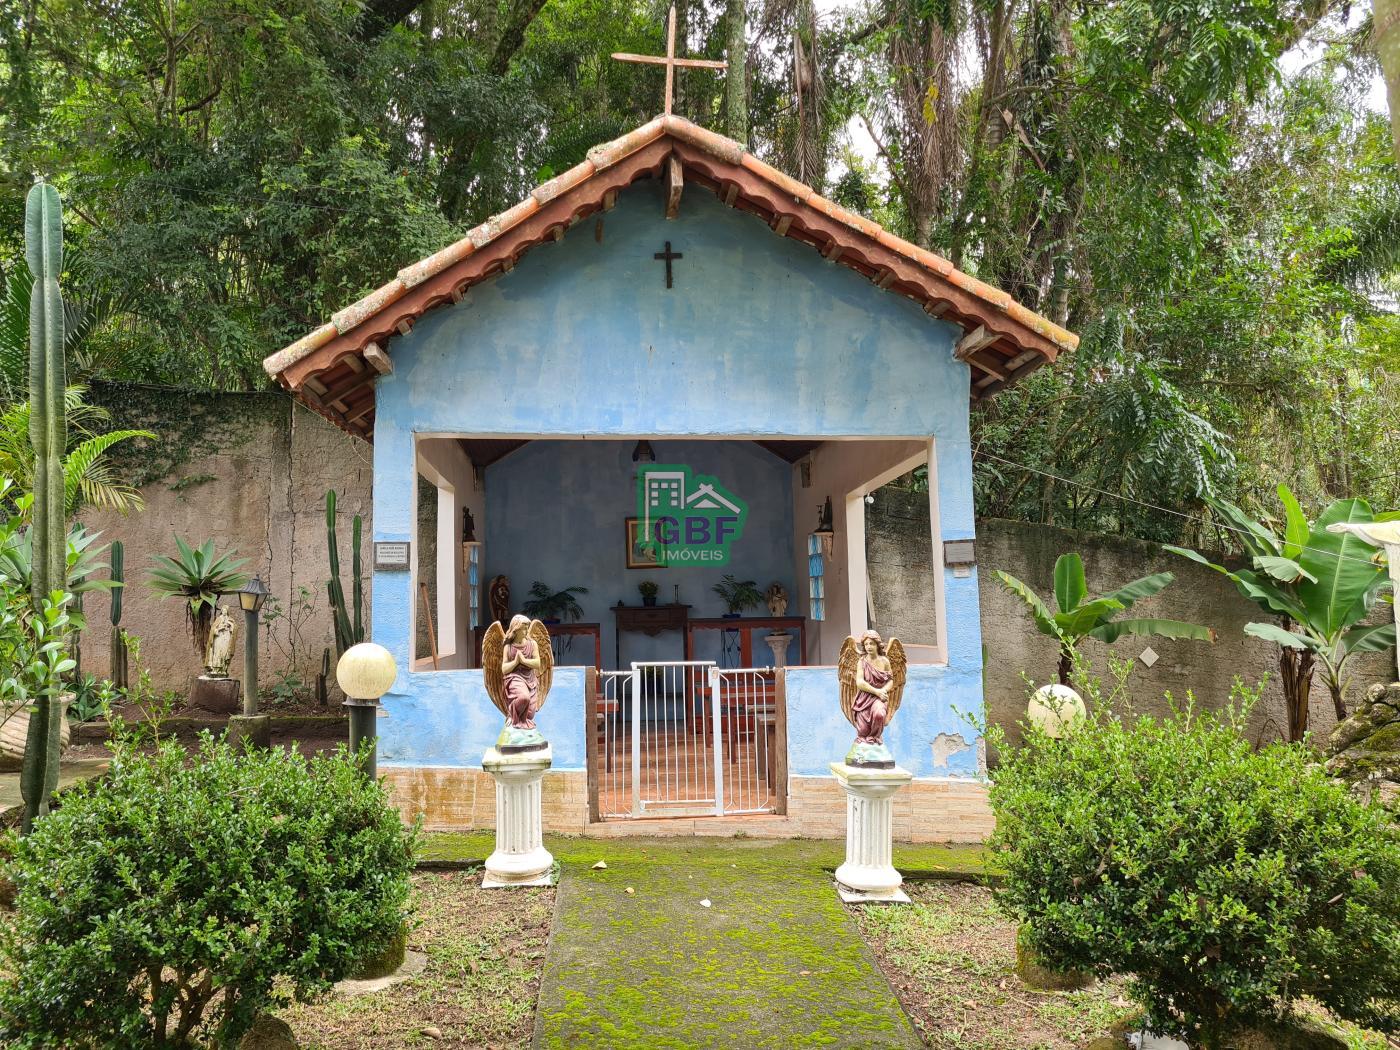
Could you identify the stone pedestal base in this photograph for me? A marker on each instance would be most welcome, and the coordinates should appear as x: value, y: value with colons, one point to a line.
x: 520, y: 858
x: 255, y: 729
x: 218, y: 696
x: 868, y: 874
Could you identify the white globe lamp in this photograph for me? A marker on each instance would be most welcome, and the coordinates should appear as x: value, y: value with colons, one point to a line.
x: 1055, y: 709
x: 365, y: 673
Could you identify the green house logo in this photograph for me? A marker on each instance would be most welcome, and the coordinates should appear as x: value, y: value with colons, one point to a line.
x: 684, y: 518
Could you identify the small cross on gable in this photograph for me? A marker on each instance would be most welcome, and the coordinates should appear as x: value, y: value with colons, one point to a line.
x: 670, y: 61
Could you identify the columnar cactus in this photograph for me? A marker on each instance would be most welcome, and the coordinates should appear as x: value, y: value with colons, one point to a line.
x: 118, y: 559
x: 348, y: 631
x: 48, y: 433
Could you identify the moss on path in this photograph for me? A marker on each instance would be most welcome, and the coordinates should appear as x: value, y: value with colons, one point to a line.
x: 970, y: 863
x: 636, y: 960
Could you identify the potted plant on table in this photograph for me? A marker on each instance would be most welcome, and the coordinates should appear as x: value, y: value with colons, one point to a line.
x: 553, y: 606
x: 738, y: 595
x: 648, y: 590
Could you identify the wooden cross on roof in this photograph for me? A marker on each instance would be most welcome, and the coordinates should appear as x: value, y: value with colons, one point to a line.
x: 670, y: 61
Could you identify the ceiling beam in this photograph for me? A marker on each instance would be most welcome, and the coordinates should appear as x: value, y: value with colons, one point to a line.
x: 378, y: 359
x: 674, y: 184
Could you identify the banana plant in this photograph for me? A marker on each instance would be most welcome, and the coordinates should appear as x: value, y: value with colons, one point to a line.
x: 1079, y: 616
x: 1320, y: 586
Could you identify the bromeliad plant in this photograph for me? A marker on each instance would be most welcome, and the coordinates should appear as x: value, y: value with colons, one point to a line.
x: 198, y: 576
x: 1319, y: 585
x: 1080, y: 616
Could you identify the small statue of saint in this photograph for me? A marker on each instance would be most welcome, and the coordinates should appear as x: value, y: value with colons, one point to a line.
x: 498, y: 598
x: 219, y: 652
x: 468, y: 526
x: 872, y: 674
x: 777, y: 599
x: 518, y: 665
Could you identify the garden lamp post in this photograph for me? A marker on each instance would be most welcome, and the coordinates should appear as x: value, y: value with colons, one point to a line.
x: 365, y: 673
x: 251, y: 598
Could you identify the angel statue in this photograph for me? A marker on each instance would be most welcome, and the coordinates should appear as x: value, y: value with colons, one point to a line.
x: 872, y: 673
x: 518, y: 664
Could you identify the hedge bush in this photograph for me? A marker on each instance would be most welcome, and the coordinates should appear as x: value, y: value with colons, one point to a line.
x: 1227, y: 882
x: 171, y: 904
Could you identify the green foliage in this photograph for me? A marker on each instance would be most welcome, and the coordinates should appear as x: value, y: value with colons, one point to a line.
x: 88, y: 477
x: 1227, y: 882
x: 198, y: 576
x: 348, y: 631
x: 91, y: 697
x: 1219, y: 231
x: 648, y: 588
x: 738, y: 595
x: 1319, y: 584
x: 544, y: 604
x: 1080, y: 617
x: 172, y: 903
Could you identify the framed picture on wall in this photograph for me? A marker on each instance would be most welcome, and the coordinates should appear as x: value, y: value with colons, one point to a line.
x: 642, y: 554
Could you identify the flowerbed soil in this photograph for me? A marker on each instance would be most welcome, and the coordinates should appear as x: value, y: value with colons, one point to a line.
x: 485, y: 951
x: 951, y: 956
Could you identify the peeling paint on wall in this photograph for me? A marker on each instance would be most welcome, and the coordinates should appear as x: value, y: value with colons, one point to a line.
x: 945, y: 746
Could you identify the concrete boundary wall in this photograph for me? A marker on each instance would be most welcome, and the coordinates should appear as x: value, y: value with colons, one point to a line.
x: 252, y: 476
x: 261, y: 489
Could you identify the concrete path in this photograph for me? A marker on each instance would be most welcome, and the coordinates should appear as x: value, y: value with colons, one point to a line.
x: 69, y: 773
x: 637, y: 959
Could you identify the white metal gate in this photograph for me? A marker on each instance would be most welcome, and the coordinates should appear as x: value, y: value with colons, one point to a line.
x: 686, y: 738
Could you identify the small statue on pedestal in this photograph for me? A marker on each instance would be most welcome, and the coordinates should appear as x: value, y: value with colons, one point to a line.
x: 518, y: 665
x: 219, y: 652
x: 872, y: 674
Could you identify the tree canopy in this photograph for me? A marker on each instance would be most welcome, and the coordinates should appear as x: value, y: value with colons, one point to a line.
x: 1196, y: 187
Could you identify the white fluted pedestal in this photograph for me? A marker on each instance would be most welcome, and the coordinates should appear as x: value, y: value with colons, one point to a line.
x: 868, y: 874
x: 520, y: 858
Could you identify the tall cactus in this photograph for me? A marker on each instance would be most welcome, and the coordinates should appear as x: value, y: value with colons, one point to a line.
x: 119, y: 657
x: 48, y: 433
x: 349, y: 625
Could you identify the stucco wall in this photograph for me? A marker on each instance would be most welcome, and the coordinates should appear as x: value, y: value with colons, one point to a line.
x: 261, y: 493
x: 759, y: 337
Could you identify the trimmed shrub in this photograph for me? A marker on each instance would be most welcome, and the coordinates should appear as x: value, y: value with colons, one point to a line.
x: 171, y: 904
x: 1226, y: 882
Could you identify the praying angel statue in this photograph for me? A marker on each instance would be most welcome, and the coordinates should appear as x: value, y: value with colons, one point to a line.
x: 518, y: 665
x: 871, y: 672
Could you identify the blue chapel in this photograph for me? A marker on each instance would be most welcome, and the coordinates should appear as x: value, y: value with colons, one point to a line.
x: 672, y: 319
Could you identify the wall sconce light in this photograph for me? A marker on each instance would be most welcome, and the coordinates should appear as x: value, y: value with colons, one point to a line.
x: 960, y: 556
x: 824, y: 532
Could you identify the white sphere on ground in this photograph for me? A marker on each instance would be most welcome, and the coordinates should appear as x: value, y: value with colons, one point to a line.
x: 1055, y: 709
x: 366, y: 671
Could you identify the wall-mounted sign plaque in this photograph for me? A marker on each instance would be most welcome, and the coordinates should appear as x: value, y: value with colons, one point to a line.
x: 390, y: 557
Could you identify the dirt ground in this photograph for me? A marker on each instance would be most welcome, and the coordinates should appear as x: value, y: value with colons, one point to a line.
x: 950, y: 957
x: 485, y: 953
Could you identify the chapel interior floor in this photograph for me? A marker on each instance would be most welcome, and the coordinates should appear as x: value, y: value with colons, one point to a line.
x: 677, y: 775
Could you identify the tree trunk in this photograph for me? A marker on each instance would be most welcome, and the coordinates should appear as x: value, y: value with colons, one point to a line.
x: 1066, y: 666
x: 1296, y: 671
x: 1385, y: 14
x: 1339, y: 704
x: 736, y: 81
